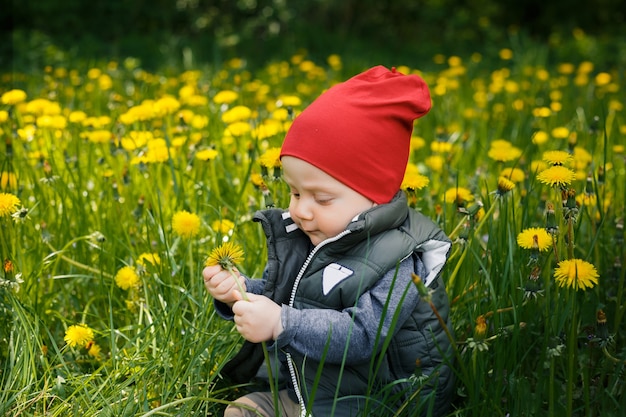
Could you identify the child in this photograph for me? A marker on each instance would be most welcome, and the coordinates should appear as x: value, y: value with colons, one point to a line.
x: 337, y: 302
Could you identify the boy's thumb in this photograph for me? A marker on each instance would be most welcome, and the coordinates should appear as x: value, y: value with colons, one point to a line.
x: 237, y: 295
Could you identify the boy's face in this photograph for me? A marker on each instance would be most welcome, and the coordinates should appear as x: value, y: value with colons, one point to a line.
x: 320, y: 205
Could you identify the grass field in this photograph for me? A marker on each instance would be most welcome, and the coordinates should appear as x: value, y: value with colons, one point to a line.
x: 116, y: 183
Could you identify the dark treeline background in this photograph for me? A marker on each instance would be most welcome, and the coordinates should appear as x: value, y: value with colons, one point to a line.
x: 196, y: 31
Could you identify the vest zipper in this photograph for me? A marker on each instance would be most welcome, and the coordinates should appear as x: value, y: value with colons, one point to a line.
x: 292, y: 298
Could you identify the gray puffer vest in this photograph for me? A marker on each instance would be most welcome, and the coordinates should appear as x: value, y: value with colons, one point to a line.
x: 414, y: 363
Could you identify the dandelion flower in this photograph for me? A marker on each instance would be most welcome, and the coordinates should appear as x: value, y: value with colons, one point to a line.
x: 223, y: 226
x: 78, y: 335
x: 458, y: 195
x: 225, y: 97
x: 206, y: 154
x: 186, y: 224
x: 236, y: 114
x: 504, y: 186
x: 576, y: 274
x: 413, y: 180
x: 503, y: 151
x: 534, y: 238
x: 127, y: 278
x: 557, y: 176
x: 514, y: 174
x: 8, y: 204
x: 557, y: 157
x: 227, y: 256
x: 149, y: 258
x: 93, y: 350
x: 13, y: 97
x: 271, y: 158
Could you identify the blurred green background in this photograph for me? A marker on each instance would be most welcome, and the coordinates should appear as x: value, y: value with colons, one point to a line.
x: 163, y: 33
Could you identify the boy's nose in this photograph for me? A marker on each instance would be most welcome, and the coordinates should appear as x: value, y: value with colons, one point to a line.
x: 302, y: 209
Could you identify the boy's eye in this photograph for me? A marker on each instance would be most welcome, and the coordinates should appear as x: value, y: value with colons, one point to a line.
x: 323, y: 200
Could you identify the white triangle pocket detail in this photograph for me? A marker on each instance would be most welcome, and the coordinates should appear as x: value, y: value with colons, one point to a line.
x: 333, y: 275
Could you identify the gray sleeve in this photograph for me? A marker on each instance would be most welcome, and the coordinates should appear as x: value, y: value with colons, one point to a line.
x: 354, y: 333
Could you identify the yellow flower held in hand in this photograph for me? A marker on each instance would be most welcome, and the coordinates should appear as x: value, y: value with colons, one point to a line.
x: 78, y: 335
x: 576, y: 274
x: 227, y: 256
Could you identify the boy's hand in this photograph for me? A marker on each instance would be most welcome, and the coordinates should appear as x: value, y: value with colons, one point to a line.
x: 221, y: 284
x: 258, y: 318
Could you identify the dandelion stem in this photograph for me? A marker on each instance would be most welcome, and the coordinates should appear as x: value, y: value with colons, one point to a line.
x: 570, y: 238
x: 239, y: 287
x: 76, y: 263
x: 571, y: 354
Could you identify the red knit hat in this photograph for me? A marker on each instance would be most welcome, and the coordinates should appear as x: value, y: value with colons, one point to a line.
x: 359, y: 131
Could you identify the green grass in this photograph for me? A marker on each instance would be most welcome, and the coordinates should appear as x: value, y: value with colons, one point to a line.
x: 94, y: 207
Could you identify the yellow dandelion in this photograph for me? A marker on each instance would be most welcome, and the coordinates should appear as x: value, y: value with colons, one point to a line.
x: 13, y: 97
x: 441, y: 147
x: 534, y: 238
x: 540, y: 137
x: 237, y: 129
x: 166, y: 105
x: 93, y: 350
x: 78, y: 335
x: 557, y: 176
x: 503, y: 151
x: 236, y: 114
x: 504, y: 186
x: 8, y: 204
x: 458, y: 195
x: 417, y: 142
x: 223, y: 226
x: 149, y: 258
x: 435, y: 162
x: 557, y: 157
x: 560, y: 132
x: 290, y: 101
x: 271, y: 158
x: 576, y: 274
x: 186, y: 224
x: 127, y: 278
x: 206, y: 154
x: 225, y: 97
x: 257, y: 180
x: 514, y: 174
x: 227, y: 256
x: 414, y: 181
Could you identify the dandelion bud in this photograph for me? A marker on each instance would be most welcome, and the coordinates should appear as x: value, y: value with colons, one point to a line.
x: 589, y: 185
x: 551, y: 226
x: 571, y: 141
x: 593, y: 126
x: 619, y: 232
x: 481, y: 327
x: 423, y: 292
x: 570, y: 209
x: 8, y: 266
x: 602, y: 332
x: 9, y: 147
x: 600, y: 175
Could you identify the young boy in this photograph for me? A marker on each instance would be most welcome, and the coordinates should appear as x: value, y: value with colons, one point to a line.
x: 337, y: 302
